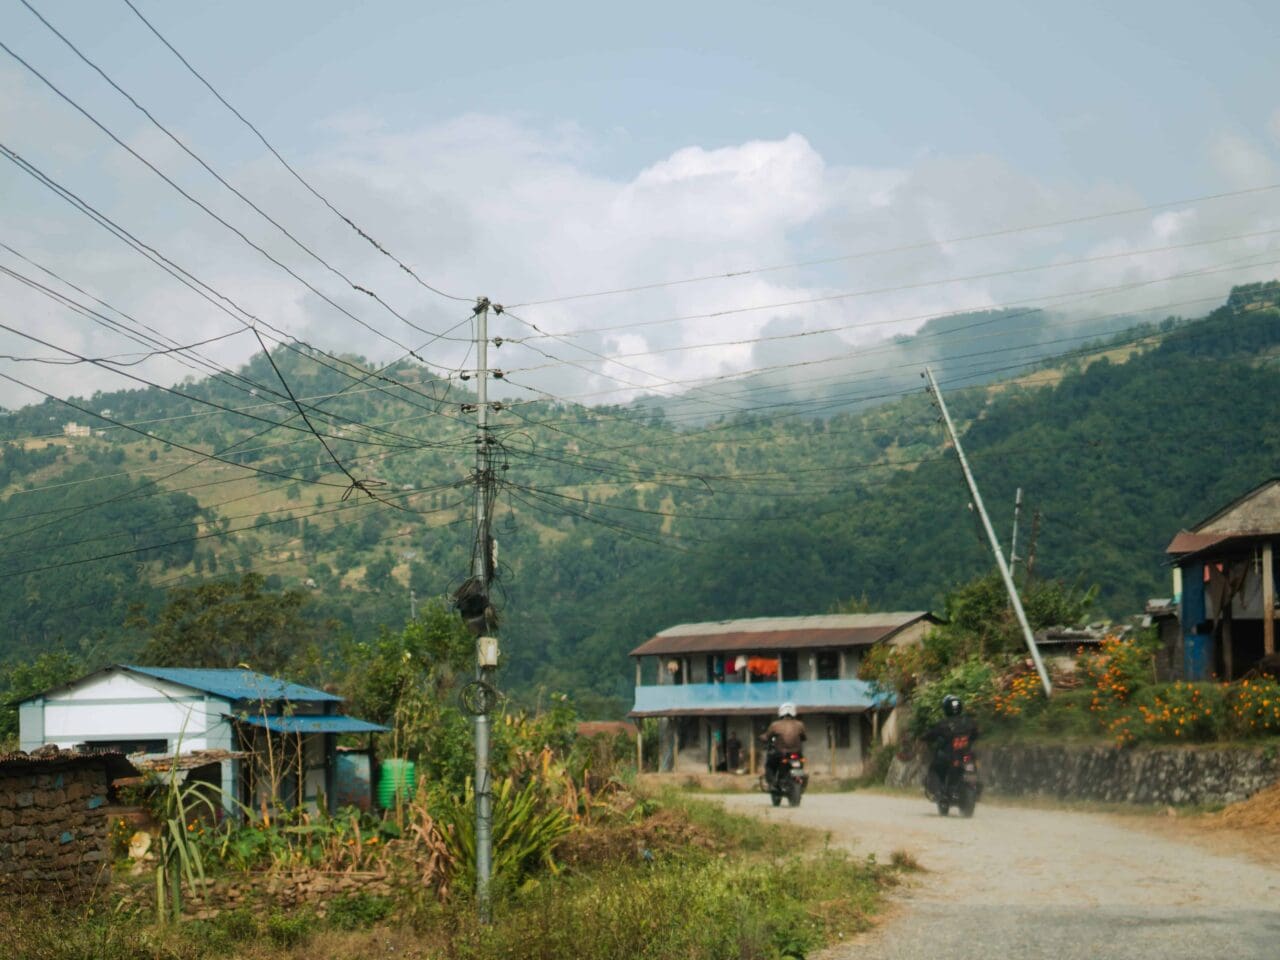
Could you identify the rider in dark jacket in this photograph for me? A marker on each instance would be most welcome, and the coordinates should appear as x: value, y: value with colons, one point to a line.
x: 785, y: 735
x: 942, y: 736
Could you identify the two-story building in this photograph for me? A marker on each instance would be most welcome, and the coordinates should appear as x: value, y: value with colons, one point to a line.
x: 716, y: 686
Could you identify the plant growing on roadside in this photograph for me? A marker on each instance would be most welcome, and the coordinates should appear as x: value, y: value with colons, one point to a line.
x: 525, y: 832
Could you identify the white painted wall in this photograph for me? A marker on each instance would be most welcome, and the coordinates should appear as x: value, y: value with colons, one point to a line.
x: 123, y: 706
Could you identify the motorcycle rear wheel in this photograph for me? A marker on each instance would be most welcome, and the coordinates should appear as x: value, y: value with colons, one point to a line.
x: 968, y: 801
x: 794, y: 793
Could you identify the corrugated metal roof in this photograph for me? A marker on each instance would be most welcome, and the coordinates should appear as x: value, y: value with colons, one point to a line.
x: 314, y: 724
x: 236, y: 684
x: 1187, y: 542
x: 780, y: 633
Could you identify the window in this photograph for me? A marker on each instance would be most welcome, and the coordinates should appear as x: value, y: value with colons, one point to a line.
x: 790, y: 665
x: 828, y: 664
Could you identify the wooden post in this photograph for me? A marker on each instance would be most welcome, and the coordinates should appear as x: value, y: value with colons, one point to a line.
x: 640, y: 747
x: 638, y: 672
x: 1228, y: 655
x: 1268, y: 601
x: 751, y: 748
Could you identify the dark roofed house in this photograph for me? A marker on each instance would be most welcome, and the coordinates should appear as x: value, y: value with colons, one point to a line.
x: 267, y: 739
x: 1225, y: 585
x: 728, y: 677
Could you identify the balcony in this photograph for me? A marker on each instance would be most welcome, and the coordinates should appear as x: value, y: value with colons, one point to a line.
x: 809, y: 696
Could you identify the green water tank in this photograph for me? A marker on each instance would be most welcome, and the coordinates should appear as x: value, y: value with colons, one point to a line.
x: 396, y: 780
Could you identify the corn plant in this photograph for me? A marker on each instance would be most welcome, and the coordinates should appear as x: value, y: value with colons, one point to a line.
x: 179, y: 809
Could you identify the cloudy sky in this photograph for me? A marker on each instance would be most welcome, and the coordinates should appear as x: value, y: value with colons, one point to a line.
x: 539, y: 152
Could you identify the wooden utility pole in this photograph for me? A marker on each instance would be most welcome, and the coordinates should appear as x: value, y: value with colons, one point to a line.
x: 1014, y: 599
x: 1268, y: 601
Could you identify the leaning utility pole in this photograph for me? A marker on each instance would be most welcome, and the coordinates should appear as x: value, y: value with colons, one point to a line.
x: 991, y: 535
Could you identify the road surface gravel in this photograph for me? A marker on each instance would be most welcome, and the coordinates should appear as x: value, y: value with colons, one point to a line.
x: 1020, y: 883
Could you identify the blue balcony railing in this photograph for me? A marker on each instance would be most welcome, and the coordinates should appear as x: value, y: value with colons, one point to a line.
x: 807, y: 695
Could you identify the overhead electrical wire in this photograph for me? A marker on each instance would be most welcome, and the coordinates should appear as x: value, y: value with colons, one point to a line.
x: 289, y: 167
x: 217, y: 176
x: 905, y: 248
x: 215, y: 297
x: 212, y: 213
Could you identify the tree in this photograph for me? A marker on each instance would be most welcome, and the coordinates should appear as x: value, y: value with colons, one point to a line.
x: 49, y: 669
x: 227, y: 623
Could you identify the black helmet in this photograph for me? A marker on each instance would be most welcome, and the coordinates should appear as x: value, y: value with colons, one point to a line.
x: 952, y: 706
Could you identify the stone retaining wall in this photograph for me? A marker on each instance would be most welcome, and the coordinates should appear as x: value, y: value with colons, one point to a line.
x: 53, y: 829
x: 1169, y: 776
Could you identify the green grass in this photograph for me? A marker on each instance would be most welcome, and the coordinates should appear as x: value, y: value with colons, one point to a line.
x: 746, y: 890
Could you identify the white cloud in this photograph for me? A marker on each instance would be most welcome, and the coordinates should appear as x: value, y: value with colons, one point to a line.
x: 487, y: 205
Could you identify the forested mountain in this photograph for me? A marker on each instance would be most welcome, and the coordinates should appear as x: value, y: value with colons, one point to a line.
x: 614, y: 522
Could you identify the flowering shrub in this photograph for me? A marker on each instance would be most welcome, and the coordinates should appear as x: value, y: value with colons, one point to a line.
x: 1254, y: 707
x: 1183, y: 711
x: 1022, y: 692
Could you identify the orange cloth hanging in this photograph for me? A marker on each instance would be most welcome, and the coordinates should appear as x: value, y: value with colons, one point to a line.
x: 763, y: 666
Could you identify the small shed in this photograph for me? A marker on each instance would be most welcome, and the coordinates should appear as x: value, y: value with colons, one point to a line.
x: 54, y: 829
x: 275, y: 740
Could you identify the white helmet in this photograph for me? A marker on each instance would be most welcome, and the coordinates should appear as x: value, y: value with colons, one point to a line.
x: 787, y: 710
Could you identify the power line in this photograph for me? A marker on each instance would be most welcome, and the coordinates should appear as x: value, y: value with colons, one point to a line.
x: 905, y: 248
x: 208, y: 210
x: 899, y: 288
x: 201, y: 288
x: 297, y: 176
x: 222, y: 180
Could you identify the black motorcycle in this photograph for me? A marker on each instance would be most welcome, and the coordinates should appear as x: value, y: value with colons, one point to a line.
x: 789, y: 777
x: 959, y: 786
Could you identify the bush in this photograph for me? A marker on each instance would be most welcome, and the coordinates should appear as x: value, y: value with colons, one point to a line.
x: 1181, y: 711
x: 289, y: 929
x: 361, y: 910
x: 972, y: 681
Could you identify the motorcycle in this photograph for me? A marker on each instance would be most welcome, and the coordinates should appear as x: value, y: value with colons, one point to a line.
x: 960, y: 787
x: 789, y: 779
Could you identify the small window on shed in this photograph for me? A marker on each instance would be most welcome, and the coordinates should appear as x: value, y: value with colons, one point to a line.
x: 124, y: 746
x: 828, y: 665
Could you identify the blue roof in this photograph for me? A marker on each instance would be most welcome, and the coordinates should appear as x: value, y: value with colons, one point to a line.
x: 236, y: 684
x: 313, y: 724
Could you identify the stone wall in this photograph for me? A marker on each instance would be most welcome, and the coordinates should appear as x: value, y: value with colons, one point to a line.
x: 1168, y: 776
x: 53, y: 830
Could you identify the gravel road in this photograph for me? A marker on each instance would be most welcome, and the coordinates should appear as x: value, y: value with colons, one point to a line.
x: 1023, y: 883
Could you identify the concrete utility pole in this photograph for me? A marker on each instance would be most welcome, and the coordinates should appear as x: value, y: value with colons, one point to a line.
x: 991, y: 536
x: 486, y: 647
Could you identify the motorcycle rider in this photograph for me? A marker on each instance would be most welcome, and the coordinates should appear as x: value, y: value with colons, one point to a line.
x: 785, y: 735
x: 942, y: 737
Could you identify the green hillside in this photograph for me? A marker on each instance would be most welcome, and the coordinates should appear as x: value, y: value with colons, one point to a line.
x: 617, y: 521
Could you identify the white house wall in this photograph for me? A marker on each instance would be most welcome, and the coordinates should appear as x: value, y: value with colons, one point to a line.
x: 122, y: 706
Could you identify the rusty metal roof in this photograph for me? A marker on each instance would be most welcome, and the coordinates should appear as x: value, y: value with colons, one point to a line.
x: 780, y: 633
x: 1187, y: 542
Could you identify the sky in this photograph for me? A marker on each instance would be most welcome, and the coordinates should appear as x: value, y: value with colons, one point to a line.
x: 531, y: 152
